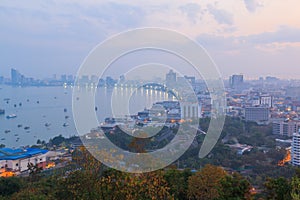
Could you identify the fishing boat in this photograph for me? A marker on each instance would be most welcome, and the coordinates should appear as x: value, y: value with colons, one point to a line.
x: 19, y: 125
x: 7, y: 131
x: 65, y: 124
x: 26, y: 127
x: 2, y: 111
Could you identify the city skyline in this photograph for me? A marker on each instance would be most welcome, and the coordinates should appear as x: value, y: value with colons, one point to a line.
x: 253, y: 37
x: 162, y: 76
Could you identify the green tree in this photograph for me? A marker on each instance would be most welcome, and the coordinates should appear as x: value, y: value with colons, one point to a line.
x: 10, y: 185
x: 278, y: 189
x: 295, y: 185
x: 234, y: 187
x: 178, y: 182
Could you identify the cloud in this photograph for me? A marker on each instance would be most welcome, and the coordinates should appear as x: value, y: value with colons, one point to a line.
x: 284, y: 34
x: 221, y: 16
x: 283, y: 37
x: 252, y: 5
x: 193, y: 11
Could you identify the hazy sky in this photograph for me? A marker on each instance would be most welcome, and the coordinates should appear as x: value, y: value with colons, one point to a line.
x: 253, y: 37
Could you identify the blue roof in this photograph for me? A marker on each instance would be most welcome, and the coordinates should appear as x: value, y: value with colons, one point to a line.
x: 14, y: 154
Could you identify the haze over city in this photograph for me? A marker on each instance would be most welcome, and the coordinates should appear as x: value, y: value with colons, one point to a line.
x: 252, y: 37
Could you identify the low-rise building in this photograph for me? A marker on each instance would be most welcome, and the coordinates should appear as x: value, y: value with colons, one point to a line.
x: 16, y: 160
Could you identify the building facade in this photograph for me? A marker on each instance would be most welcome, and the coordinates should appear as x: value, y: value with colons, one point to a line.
x: 16, y: 160
x: 259, y: 114
x: 296, y: 149
x: 286, y: 128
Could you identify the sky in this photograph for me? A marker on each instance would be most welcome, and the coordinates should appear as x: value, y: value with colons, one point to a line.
x: 251, y: 37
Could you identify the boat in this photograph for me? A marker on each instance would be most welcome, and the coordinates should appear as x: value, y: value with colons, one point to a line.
x: 11, y: 116
x: 2, y: 112
x: 65, y: 124
x: 16, y: 135
x: 65, y: 110
x: 19, y: 125
x: 66, y: 117
x: 7, y: 131
x: 47, y: 124
x: 2, y: 138
x: 26, y: 127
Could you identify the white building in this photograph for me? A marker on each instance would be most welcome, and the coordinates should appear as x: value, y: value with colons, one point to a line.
x: 17, y: 160
x: 285, y: 127
x: 296, y: 149
x: 190, y: 110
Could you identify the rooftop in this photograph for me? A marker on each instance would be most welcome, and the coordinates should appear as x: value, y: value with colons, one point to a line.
x: 14, y: 154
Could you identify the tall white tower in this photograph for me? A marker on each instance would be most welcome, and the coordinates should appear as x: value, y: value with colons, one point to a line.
x: 296, y: 149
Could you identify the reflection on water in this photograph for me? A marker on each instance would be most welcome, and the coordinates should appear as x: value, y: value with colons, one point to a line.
x: 45, y: 112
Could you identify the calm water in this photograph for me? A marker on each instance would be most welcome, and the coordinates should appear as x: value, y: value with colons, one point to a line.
x: 36, y: 106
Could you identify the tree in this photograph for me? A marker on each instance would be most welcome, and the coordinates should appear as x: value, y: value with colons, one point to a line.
x: 278, y: 189
x: 146, y: 186
x: 178, y: 182
x: 235, y: 187
x: 295, y: 187
x: 204, y: 184
x: 78, y: 185
x: 10, y: 185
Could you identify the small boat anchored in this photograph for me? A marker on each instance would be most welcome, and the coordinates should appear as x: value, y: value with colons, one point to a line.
x: 11, y: 116
x: 47, y: 124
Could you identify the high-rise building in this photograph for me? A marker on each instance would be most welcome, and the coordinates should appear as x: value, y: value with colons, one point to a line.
x: 190, y: 110
x: 258, y: 114
x: 286, y: 128
x: 190, y: 79
x: 15, y: 77
x: 122, y: 79
x: 170, y: 78
x: 63, y: 78
x: 266, y: 100
x: 236, y: 81
x: 295, y: 154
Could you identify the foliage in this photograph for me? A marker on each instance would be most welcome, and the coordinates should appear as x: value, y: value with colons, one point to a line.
x: 295, y: 186
x: 278, y: 189
x: 234, y: 187
x: 10, y: 185
x: 178, y: 182
x: 204, y: 184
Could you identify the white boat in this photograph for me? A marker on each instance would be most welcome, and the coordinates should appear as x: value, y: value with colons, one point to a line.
x: 11, y: 116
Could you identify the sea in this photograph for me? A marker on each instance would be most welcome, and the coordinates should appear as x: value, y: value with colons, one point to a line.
x: 45, y: 112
